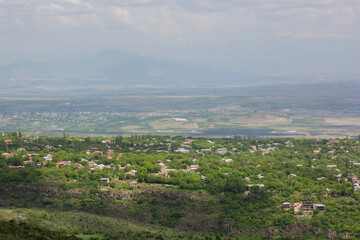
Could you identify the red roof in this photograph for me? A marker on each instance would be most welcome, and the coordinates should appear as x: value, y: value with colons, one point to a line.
x: 97, y: 152
x: 59, y: 163
x: 8, y: 140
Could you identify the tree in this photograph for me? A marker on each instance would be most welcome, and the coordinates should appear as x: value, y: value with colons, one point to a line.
x: 142, y: 174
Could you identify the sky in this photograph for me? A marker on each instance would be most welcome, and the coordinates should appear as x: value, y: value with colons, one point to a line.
x: 270, y: 37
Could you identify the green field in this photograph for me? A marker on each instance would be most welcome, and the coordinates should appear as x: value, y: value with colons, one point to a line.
x: 203, y: 116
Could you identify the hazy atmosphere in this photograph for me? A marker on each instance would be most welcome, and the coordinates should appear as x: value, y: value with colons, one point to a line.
x: 252, y: 67
x: 257, y: 37
x: 179, y: 119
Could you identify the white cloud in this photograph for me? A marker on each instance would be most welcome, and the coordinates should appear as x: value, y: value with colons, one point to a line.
x: 311, y: 35
x: 121, y: 15
x: 50, y: 9
x: 75, y: 2
x: 183, y: 23
x: 181, y: 18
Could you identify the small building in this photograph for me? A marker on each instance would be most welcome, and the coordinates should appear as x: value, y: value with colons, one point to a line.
x: 133, y: 183
x: 66, y: 163
x: 97, y: 152
x: 110, y: 152
x: 79, y: 166
x: 92, y: 164
x: 285, y: 206
x: 320, y: 207
x: 182, y: 150
x: 221, y: 151
x: 100, y: 166
x: 205, y: 150
x: 59, y: 164
x: 339, y: 176
x: 307, y: 205
x: 259, y: 185
x: 163, y: 167
x: 104, y: 181
x: 228, y: 161
x: 48, y: 157
x: 27, y: 162
x: 131, y: 172
x: 180, y: 120
x: 49, y: 147
x: 191, y: 170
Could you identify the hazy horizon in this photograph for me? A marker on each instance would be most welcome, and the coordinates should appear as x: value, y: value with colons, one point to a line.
x: 270, y: 38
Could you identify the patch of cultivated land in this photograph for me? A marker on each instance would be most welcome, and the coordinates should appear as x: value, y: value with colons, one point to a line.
x: 309, y: 115
x: 343, y: 121
x: 170, y: 124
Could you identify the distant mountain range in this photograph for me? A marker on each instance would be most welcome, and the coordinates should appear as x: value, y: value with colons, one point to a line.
x: 117, y: 67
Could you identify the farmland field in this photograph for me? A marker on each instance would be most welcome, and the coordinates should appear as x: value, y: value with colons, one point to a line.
x: 269, y: 112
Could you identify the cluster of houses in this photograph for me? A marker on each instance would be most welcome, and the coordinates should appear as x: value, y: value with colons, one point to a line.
x: 184, y: 149
x: 355, y: 181
x: 106, y: 181
x: 303, y: 208
x: 7, y: 155
x: 264, y: 149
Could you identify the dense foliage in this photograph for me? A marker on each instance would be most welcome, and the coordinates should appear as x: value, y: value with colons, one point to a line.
x: 228, y: 184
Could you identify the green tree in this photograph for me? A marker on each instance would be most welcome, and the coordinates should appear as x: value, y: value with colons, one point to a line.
x: 142, y: 174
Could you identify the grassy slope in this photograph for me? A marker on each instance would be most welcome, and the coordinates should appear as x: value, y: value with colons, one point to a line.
x: 13, y: 230
x: 87, y: 226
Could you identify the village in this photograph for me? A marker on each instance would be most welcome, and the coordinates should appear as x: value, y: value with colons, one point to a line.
x: 291, y: 179
x: 99, y: 160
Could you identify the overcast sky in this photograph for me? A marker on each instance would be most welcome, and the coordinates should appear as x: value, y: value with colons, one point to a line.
x: 264, y: 36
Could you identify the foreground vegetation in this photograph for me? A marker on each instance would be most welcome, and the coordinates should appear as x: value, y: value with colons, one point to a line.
x: 161, y: 187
